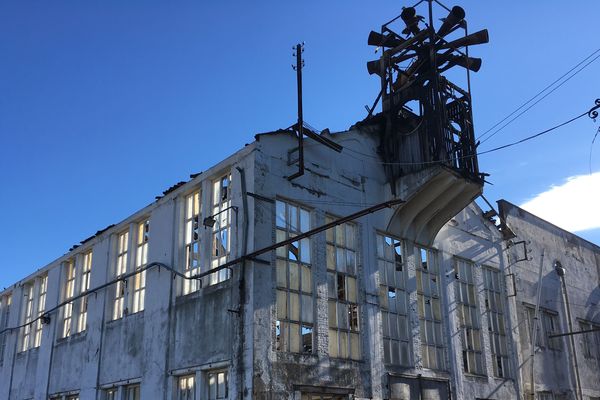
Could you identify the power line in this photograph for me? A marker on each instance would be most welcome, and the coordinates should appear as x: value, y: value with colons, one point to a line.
x: 538, y: 94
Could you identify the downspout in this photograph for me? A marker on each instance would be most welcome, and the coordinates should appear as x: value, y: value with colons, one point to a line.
x: 560, y: 271
x: 242, y: 285
x: 534, y: 328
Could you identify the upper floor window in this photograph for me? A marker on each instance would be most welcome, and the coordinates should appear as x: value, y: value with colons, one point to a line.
x: 27, y: 315
x: 342, y: 288
x: 33, y: 305
x: 41, y: 307
x: 547, y: 324
x: 131, y: 256
x: 76, y: 278
x: 590, y: 340
x: 393, y: 301
x: 86, y: 270
x: 192, y: 241
x: 430, y: 310
x: 5, y: 303
x: 119, y: 304
x: 494, y: 307
x: 221, y: 230
x: 294, y: 300
x: 141, y: 259
x: 468, y: 315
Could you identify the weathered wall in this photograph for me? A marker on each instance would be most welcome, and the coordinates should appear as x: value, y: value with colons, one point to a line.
x: 554, y: 370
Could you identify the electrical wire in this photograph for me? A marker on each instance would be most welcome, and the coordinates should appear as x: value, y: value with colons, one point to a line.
x: 538, y: 94
x: 592, y: 148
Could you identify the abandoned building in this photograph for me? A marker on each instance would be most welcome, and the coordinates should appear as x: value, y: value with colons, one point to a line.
x: 321, y: 266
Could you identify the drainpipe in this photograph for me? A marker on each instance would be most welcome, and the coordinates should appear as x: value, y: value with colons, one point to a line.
x: 560, y: 271
x: 534, y: 328
x: 242, y: 285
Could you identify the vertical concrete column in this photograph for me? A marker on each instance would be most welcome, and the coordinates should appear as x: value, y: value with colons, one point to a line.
x: 452, y: 329
x: 411, y: 260
x: 42, y: 376
x: 10, y: 351
x: 159, y: 284
x: 319, y: 274
x: 95, y: 320
x: 486, y: 346
x: 372, y: 335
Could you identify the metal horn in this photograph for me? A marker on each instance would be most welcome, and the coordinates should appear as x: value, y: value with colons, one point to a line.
x: 374, y: 67
x: 411, y: 19
x: 454, y: 17
x: 389, y: 40
x: 469, y: 40
x: 471, y: 63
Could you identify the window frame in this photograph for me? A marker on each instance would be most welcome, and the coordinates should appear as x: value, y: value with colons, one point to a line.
x: 192, y: 240
x: 130, y: 254
x: 221, y: 212
x: 393, y: 278
x: 288, y: 294
x: 434, y: 339
x: 338, y: 245
x: 469, y: 316
x: 495, y: 308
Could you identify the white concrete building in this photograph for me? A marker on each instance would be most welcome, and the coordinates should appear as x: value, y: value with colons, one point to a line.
x: 360, y: 311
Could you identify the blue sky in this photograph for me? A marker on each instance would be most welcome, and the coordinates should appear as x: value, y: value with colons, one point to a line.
x: 103, y: 105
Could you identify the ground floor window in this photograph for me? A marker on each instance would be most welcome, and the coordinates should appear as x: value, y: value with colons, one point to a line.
x: 309, y: 396
x: 186, y: 387
x: 132, y: 392
x: 217, y: 385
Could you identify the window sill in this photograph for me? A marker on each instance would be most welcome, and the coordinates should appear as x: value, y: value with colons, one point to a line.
x: 23, y: 353
x: 472, y: 375
x: 139, y: 314
x: 204, y: 290
x: 76, y: 337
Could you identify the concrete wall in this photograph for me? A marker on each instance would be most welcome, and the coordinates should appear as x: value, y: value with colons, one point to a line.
x: 230, y: 325
x: 554, y: 370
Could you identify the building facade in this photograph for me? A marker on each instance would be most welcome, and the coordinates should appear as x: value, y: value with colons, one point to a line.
x: 368, y: 309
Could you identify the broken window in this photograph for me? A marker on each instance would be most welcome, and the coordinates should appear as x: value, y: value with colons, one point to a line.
x: 141, y: 259
x: 5, y: 302
x: 68, y: 293
x: 27, y: 315
x: 430, y: 310
x: 217, y: 385
x: 41, y: 306
x: 393, y: 301
x: 294, y: 300
x: 468, y: 316
x: 344, y: 324
x: 119, y: 304
x: 186, y: 387
x: 221, y: 230
x: 192, y: 242
x: 86, y: 269
x: 494, y: 305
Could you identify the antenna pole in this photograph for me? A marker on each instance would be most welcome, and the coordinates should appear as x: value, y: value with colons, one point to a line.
x: 300, y: 126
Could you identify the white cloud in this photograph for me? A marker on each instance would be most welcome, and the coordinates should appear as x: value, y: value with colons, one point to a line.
x: 573, y: 206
